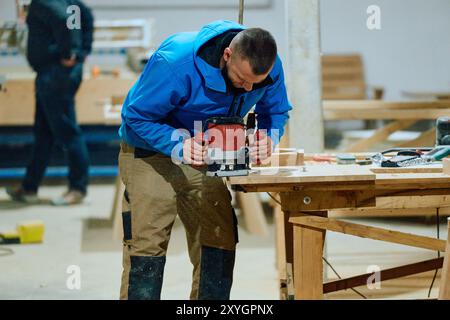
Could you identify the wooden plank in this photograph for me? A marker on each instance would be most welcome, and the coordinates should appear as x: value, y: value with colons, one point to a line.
x: 444, y: 289
x: 288, y: 238
x: 416, y: 169
x: 374, y: 212
x: 363, y: 105
x: 308, y: 268
x: 343, y: 70
x: 329, y: 173
x: 17, y: 108
x: 280, y: 242
x: 376, y: 109
x: 413, y: 202
x: 326, y: 200
x: 290, y: 282
x: 385, y: 114
x: 446, y: 166
x: 331, y: 95
x: 253, y: 213
x: 412, y: 179
x: 423, y: 95
x: 388, y: 274
x: 380, y: 135
x: 283, y: 158
x: 370, y: 232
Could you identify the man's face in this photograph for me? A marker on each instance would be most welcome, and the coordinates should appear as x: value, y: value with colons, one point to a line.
x: 240, y: 72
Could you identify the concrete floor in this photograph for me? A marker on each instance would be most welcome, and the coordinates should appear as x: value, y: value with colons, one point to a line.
x: 74, y: 237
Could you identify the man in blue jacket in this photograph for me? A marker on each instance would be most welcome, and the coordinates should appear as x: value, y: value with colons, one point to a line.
x: 224, y: 68
x: 56, y: 52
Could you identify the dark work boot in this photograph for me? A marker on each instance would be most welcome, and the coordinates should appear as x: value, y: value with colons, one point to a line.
x: 146, y: 277
x: 216, y: 274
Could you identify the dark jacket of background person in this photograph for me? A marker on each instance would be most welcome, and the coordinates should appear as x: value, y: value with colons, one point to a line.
x: 50, y: 39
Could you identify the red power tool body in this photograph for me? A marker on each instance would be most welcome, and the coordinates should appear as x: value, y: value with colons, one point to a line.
x: 228, y: 151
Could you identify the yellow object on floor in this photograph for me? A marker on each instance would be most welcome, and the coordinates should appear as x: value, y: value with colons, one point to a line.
x: 26, y: 232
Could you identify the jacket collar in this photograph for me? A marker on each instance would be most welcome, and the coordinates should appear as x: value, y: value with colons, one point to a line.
x: 213, y: 76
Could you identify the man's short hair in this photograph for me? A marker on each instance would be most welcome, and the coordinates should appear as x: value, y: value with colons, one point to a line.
x: 258, y: 47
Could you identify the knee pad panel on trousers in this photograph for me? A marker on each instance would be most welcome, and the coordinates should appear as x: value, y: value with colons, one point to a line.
x: 216, y: 274
x: 145, y: 277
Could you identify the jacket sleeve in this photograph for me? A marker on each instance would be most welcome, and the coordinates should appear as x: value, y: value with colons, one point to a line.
x: 158, y: 91
x: 272, y: 110
x: 54, y: 13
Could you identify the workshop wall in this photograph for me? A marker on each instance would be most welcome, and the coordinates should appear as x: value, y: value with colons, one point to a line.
x: 410, y: 52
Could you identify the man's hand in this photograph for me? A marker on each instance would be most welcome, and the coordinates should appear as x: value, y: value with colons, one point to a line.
x: 68, y: 63
x: 194, y: 153
x: 260, y: 146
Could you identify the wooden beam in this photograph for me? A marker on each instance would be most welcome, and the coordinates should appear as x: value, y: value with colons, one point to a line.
x: 446, y: 166
x: 375, y: 109
x: 444, y: 289
x: 369, y: 232
x: 308, y: 267
x: 392, y: 273
x: 280, y: 241
x: 355, y: 105
x: 413, y: 202
x: 325, y: 200
x: 380, y: 135
x: 374, y: 212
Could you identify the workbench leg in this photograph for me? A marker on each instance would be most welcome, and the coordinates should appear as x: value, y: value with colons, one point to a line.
x: 285, y: 254
x: 280, y: 249
x: 308, y: 266
x: 444, y: 288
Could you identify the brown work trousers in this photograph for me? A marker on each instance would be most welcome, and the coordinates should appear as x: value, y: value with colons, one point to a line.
x: 156, y: 191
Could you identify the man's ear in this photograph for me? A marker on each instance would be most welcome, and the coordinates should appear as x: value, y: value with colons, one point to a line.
x: 227, y: 54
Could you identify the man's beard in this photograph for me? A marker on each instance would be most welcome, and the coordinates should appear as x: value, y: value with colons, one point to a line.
x: 230, y: 86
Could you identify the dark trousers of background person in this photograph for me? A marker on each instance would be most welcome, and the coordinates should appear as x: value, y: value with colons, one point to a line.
x: 56, y: 124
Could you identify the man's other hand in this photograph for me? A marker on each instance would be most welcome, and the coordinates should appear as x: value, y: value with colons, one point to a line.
x: 194, y: 152
x: 260, y: 146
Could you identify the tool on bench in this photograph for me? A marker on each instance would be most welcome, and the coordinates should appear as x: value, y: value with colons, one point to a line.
x: 344, y: 158
x: 26, y: 232
x: 407, y: 157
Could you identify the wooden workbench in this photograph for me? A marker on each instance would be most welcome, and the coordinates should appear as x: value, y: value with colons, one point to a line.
x: 308, y: 193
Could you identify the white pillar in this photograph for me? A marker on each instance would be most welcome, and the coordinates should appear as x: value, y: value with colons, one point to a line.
x: 304, y: 75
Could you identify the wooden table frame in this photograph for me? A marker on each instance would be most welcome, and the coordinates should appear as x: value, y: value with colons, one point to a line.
x: 304, y: 217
